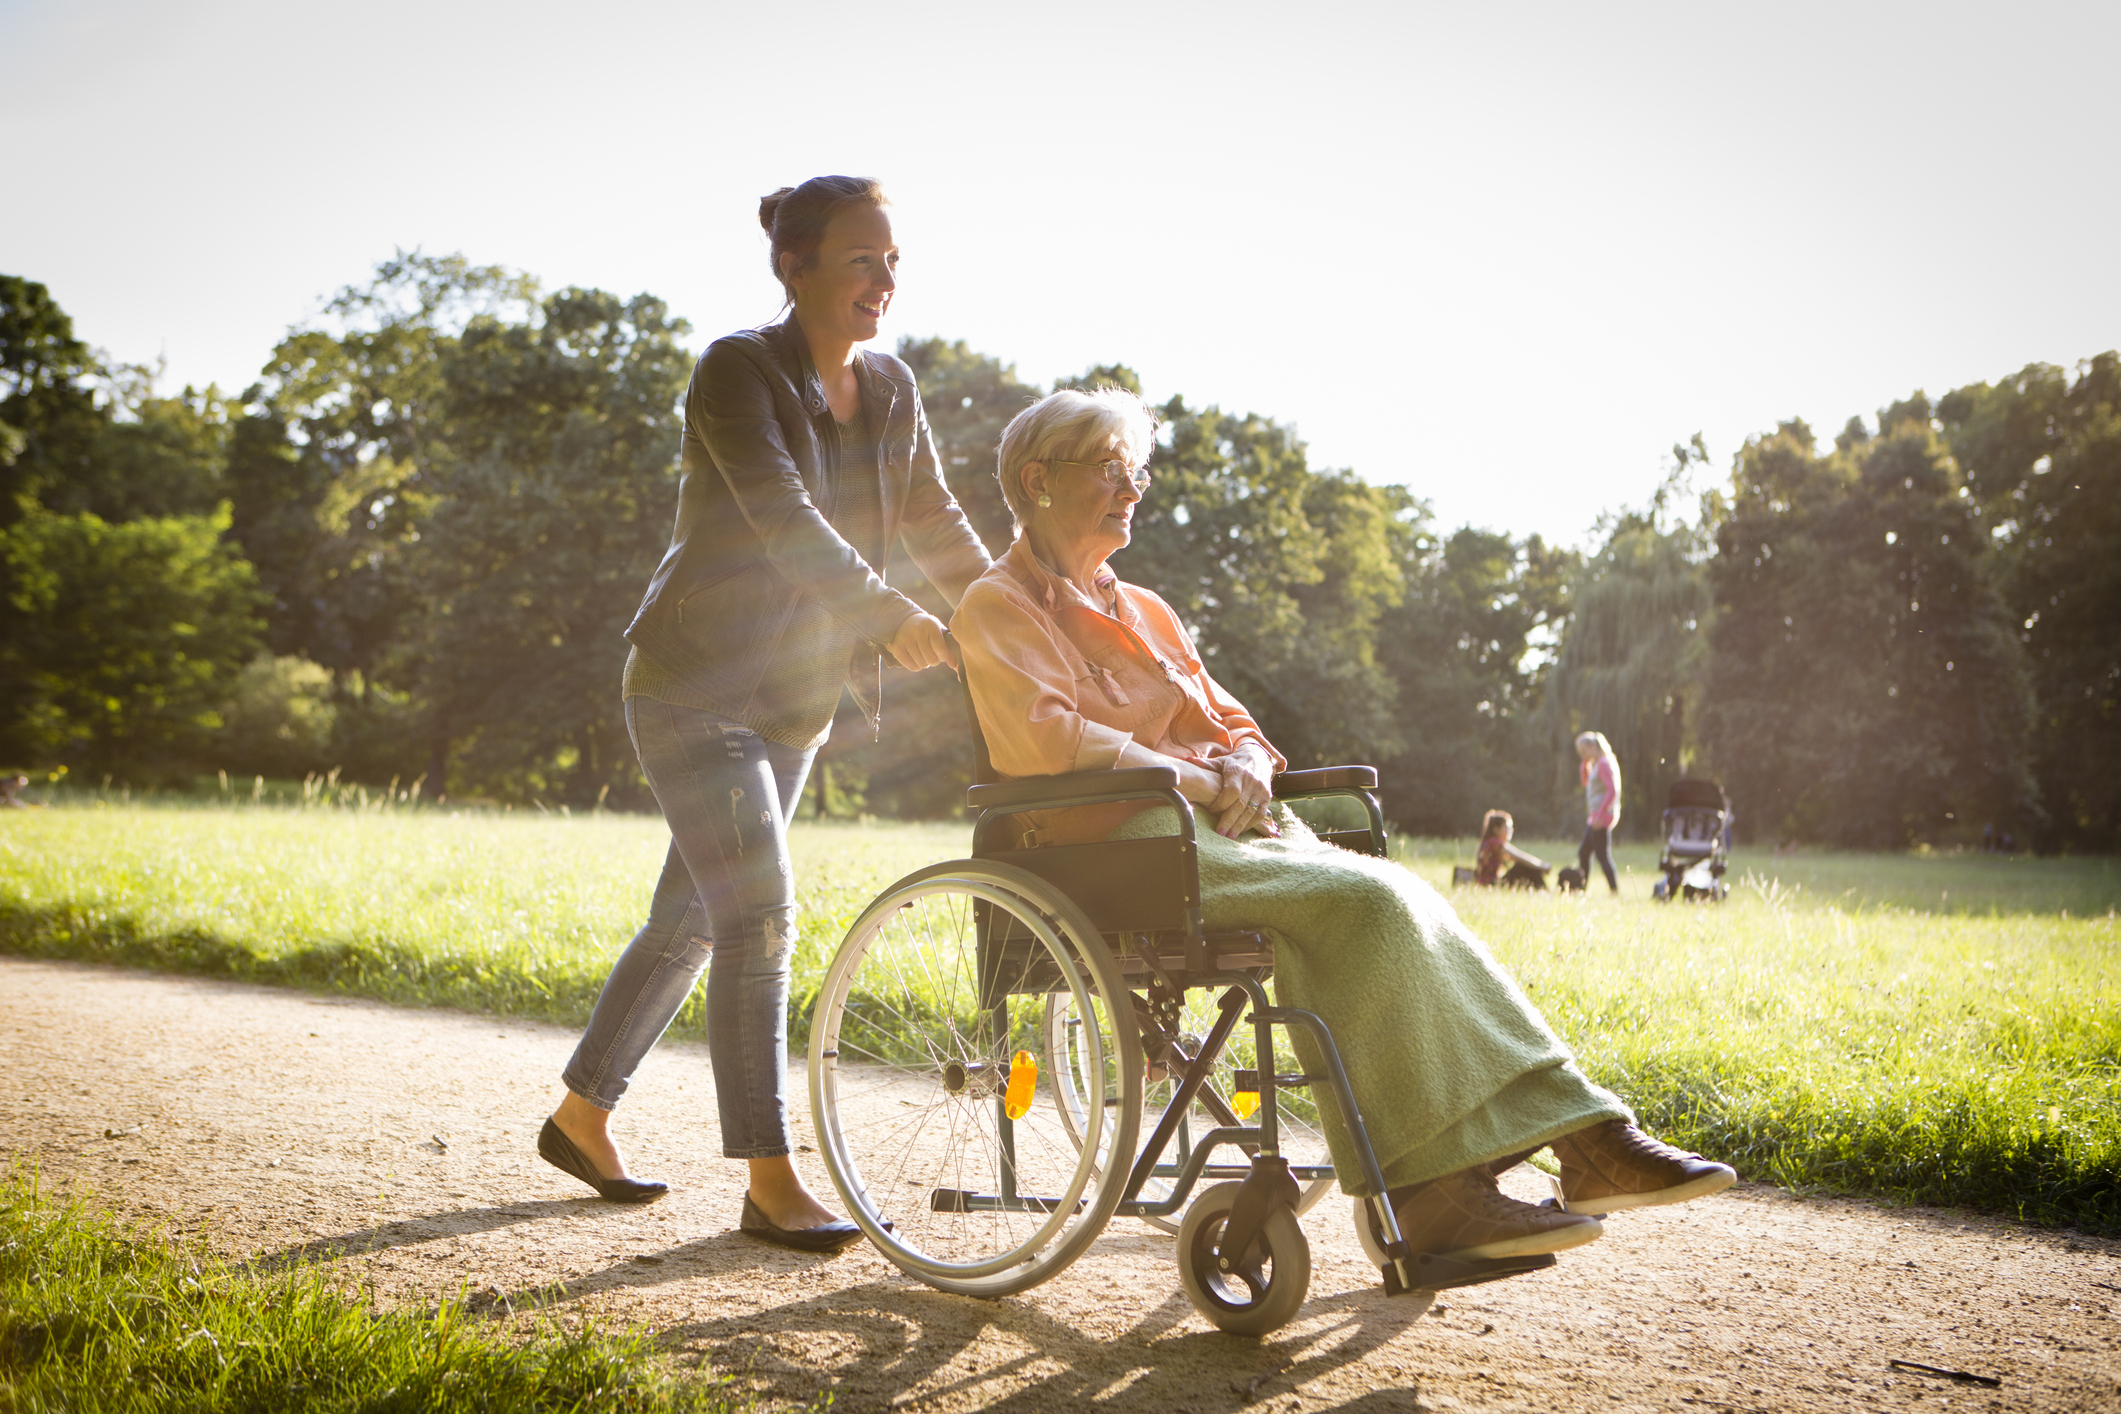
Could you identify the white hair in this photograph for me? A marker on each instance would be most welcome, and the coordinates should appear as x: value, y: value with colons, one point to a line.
x: 1070, y: 426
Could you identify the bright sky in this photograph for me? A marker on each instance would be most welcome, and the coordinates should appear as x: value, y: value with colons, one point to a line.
x: 1504, y: 254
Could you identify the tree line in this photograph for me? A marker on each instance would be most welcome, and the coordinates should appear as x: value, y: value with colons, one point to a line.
x: 409, y: 550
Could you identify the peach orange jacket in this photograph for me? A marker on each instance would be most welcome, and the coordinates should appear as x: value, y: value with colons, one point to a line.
x: 1060, y: 685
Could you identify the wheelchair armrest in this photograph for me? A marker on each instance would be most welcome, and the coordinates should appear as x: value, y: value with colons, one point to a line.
x: 1047, y: 792
x: 1290, y: 784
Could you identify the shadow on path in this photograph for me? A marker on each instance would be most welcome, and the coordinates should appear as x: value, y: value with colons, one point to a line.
x: 897, y: 1338
x: 410, y: 1232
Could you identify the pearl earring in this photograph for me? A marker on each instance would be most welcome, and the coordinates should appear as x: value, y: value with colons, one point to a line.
x: 1045, y: 503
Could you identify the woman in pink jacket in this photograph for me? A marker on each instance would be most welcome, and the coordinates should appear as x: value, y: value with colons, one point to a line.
x: 1600, y: 775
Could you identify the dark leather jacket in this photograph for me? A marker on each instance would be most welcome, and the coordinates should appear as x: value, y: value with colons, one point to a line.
x: 752, y: 535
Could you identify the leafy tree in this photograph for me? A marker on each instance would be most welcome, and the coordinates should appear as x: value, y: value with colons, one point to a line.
x: 1466, y: 649
x: 152, y: 455
x: 48, y: 415
x: 330, y: 486
x: 121, y: 640
x: 1865, y: 686
x: 2042, y: 454
x: 275, y: 493
x: 279, y: 719
x: 77, y: 436
x: 1636, y: 648
x: 969, y: 398
x: 550, y: 511
x: 329, y: 480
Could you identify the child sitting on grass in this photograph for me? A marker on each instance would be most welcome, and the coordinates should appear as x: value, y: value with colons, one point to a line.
x: 1496, y: 851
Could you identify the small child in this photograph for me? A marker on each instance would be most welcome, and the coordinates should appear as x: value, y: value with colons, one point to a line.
x: 1496, y: 851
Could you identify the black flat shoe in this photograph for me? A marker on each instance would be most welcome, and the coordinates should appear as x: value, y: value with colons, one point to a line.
x: 825, y: 1237
x: 558, y: 1150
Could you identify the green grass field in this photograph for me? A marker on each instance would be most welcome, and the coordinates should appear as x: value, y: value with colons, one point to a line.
x: 1942, y: 1029
x: 94, y: 1318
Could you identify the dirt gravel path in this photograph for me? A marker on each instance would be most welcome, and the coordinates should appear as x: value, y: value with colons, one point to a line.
x: 398, y: 1145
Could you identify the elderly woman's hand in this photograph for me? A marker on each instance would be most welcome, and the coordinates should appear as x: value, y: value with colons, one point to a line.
x: 1247, y: 793
x: 1225, y: 790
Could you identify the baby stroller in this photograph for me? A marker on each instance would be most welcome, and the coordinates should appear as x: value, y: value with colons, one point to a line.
x: 1697, y: 821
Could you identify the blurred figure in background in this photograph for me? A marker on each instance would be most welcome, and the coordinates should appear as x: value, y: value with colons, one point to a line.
x: 1600, y: 774
x: 1497, y: 854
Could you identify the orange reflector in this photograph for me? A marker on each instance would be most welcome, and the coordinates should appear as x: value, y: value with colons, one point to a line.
x: 1023, y: 1080
x: 1244, y: 1102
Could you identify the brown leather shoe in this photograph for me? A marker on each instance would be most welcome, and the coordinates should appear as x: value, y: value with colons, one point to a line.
x: 1614, y: 1165
x: 1465, y: 1216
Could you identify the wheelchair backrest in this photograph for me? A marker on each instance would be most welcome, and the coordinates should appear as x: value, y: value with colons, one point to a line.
x: 983, y: 772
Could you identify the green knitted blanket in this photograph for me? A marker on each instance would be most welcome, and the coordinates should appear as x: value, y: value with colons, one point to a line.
x: 1450, y: 1062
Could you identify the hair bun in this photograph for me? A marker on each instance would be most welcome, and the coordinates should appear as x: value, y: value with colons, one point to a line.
x: 770, y: 205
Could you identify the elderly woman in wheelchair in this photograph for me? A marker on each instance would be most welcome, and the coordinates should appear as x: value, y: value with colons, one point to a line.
x: 986, y: 1039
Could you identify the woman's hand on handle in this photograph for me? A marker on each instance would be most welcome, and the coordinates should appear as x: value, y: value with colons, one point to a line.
x: 921, y: 642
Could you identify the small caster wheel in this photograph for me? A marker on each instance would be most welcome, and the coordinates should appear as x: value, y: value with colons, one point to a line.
x: 1247, y: 1299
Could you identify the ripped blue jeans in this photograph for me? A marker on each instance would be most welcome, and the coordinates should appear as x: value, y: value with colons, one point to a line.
x: 727, y: 894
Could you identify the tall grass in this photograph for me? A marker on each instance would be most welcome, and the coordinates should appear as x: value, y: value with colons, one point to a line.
x: 94, y: 1319
x: 1944, y: 1029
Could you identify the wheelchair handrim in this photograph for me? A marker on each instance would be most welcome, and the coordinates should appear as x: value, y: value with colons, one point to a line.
x: 840, y: 1162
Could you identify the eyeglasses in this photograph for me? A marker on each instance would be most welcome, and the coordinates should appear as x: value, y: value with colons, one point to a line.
x: 1116, y: 472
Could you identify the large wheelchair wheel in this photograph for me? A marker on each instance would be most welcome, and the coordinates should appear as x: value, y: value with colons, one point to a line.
x: 938, y: 987
x: 1258, y: 1291
x: 1302, y: 1141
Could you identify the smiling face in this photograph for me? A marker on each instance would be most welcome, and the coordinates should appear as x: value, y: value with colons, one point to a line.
x: 1090, y: 519
x: 848, y: 285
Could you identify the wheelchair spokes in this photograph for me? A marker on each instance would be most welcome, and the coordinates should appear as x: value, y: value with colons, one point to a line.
x: 921, y: 1019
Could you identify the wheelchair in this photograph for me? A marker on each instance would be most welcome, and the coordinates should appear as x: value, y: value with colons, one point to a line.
x: 996, y: 1033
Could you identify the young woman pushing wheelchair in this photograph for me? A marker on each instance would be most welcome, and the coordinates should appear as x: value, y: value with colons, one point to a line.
x: 805, y: 458
x: 1457, y: 1075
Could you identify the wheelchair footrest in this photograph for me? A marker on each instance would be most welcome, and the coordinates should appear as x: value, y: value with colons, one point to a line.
x: 1433, y: 1273
x: 964, y: 1200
